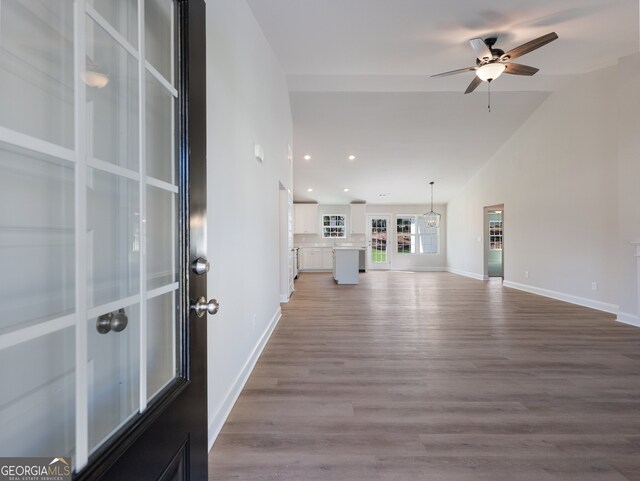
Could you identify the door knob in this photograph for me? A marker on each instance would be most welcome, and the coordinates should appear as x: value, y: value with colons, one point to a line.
x: 112, y: 321
x: 202, y: 307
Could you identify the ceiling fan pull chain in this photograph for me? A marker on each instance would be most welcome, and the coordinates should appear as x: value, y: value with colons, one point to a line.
x: 489, y: 105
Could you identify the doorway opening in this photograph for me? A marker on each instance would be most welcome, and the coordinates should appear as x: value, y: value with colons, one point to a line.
x: 494, y: 241
x: 286, y: 243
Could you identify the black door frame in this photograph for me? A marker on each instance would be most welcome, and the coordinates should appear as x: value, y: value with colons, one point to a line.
x: 151, y: 447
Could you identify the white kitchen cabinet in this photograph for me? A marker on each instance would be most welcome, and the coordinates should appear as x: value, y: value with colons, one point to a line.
x: 316, y: 259
x: 305, y: 218
x: 358, y: 218
x: 327, y: 259
x: 310, y: 259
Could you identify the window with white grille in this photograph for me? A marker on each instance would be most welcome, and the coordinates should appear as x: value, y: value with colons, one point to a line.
x: 334, y: 225
x: 413, y: 236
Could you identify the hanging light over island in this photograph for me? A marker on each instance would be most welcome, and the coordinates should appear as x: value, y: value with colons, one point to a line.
x: 432, y: 218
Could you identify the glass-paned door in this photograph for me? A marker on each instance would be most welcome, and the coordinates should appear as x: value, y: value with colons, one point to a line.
x: 90, y: 310
x: 377, y: 245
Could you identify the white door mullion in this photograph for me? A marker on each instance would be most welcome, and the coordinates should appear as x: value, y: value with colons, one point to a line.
x: 82, y: 412
x: 143, y: 204
x: 25, y: 141
x: 29, y: 333
x: 173, y: 53
x: 106, y: 26
x: 161, y: 80
x: 174, y: 180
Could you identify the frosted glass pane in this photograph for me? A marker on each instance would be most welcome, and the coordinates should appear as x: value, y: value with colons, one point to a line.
x: 160, y: 238
x: 159, y: 130
x: 112, y: 109
x: 113, y: 377
x: 161, y: 342
x: 113, y: 237
x: 121, y: 15
x: 37, y: 401
x: 158, y: 17
x: 36, y: 69
x: 36, y: 237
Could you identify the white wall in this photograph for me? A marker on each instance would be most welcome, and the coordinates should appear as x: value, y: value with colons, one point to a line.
x: 247, y: 102
x: 629, y: 185
x: 558, y: 179
x: 415, y: 262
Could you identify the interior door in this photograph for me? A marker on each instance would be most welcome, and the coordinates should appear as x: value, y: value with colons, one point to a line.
x: 102, y: 130
x: 377, y: 242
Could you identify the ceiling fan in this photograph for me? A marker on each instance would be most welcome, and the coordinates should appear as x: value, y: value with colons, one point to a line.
x: 492, y: 62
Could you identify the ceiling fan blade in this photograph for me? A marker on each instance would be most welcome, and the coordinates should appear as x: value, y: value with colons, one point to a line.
x: 518, y: 69
x: 530, y: 46
x: 473, y: 85
x: 454, y: 72
x: 480, y: 48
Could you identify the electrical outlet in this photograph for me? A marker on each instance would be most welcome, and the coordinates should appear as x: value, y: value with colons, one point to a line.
x: 526, y: 274
x: 594, y: 286
x: 254, y: 321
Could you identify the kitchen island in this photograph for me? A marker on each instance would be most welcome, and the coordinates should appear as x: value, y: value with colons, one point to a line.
x: 346, y: 265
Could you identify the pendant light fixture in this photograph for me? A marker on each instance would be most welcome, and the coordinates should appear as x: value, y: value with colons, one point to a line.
x: 431, y: 218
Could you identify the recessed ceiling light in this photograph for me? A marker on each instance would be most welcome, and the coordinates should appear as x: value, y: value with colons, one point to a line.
x: 352, y: 157
x: 307, y: 157
x: 346, y: 190
x: 309, y: 189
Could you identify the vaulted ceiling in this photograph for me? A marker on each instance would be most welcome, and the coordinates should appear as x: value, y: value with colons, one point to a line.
x: 359, y: 79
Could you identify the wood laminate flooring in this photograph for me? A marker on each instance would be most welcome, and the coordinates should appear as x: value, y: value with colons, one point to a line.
x: 433, y: 376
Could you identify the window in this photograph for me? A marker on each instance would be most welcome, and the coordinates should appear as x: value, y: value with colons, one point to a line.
x: 333, y: 226
x: 413, y: 236
x: 406, y: 234
x: 495, y: 235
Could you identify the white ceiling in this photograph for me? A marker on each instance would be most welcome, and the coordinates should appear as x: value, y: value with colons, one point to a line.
x: 359, y: 75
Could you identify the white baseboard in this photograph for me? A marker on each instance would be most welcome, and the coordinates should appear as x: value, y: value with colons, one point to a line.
x: 473, y: 275
x: 428, y: 269
x: 628, y: 318
x: 561, y: 296
x: 284, y: 299
x: 220, y: 417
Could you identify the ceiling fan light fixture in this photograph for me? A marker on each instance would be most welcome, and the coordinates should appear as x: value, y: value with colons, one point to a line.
x: 490, y: 71
x: 95, y: 79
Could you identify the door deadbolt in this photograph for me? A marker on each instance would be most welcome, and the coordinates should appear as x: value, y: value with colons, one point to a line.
x: 202, y: 307
x: 200, y: 266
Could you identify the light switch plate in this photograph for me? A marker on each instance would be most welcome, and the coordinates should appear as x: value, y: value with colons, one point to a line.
x: 258, y: 151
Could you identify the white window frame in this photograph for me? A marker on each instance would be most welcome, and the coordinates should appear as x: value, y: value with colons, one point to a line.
x: 339, y: 229
x: 413, y: 234
x: 495, y: 236
x: 421, y: 235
